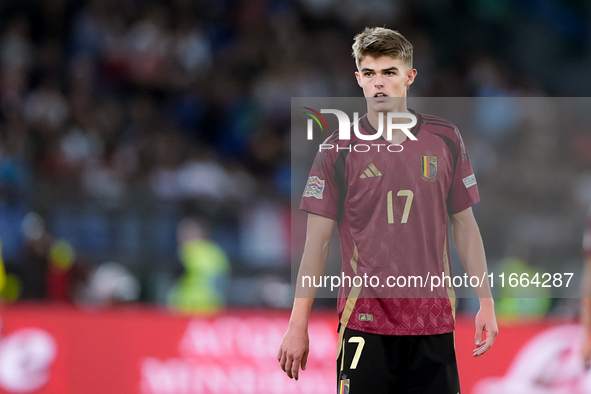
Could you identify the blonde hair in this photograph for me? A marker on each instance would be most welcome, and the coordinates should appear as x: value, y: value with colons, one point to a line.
x: 379, y: 41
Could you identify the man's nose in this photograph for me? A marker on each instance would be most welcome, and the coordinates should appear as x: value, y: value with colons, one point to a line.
x: 378, y: 82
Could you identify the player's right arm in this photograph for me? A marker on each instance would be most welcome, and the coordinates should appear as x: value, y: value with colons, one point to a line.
x: 294, y: 347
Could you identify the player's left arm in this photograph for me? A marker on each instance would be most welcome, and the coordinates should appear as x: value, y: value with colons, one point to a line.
x: 471, y: 252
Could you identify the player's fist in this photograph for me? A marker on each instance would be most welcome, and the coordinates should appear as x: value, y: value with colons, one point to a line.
x: 293, y: 351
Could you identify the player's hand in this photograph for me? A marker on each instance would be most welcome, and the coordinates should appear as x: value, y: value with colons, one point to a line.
x: 293, y: 351
x: 586, y: 351
x: 485, y: 321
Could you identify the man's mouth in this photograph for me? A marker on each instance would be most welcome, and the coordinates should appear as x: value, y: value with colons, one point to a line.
x: 380, y: 94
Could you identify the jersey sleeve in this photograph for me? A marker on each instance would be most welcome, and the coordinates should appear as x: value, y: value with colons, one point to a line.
x: 463, y: 192
x: 321, y: 193
x: 587, y: 237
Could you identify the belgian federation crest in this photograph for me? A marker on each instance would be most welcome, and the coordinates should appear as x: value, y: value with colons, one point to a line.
x: 429, y: 167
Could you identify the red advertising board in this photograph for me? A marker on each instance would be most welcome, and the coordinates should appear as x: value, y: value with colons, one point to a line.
x: 61, y: 349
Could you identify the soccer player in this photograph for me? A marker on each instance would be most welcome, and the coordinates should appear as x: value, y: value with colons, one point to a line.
x: 586, y: 296
x: 391, y: 209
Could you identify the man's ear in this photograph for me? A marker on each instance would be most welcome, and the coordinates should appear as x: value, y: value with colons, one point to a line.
x: 358, y: 77
x: 410, y: 76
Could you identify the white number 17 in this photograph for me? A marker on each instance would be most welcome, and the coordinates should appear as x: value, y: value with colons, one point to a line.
x: 404, y: 193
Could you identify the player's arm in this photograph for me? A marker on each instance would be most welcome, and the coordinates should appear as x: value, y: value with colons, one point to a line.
x: 471, y: 252
x: 586, y: 312
x: 294, y: 347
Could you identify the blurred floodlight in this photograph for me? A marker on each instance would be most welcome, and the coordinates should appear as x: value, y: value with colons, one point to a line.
x: 33, y: 226
x: 113, y: 282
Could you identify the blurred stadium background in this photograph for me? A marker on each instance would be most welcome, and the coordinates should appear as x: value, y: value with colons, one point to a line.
x: 130, y: 130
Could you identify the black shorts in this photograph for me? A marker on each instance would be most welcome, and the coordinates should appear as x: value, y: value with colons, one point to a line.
x: 391, y: 364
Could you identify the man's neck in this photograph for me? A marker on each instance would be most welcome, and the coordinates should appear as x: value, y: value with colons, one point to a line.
x: 398, y: 135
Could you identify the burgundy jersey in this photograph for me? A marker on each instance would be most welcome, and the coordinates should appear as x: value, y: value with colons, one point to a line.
x: 587, y: 237
x: 392, y: 210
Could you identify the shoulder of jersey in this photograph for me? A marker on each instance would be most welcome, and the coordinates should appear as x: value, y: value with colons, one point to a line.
x: 437, y: 125
x: 333, y: 139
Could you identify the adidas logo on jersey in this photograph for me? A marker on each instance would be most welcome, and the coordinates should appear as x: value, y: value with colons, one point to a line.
x: 370, y: 172
x: 365, y: 317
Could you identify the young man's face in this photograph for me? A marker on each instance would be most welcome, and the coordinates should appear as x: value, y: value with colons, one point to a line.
x: 382, y: 78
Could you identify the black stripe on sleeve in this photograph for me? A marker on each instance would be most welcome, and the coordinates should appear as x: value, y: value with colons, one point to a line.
x: 454, y: 153
x: 339, y: 167
x: 451, y: 145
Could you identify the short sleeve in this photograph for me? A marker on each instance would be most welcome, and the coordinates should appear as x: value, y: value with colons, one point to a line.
x: 321, y: 193
x: 463, y: 192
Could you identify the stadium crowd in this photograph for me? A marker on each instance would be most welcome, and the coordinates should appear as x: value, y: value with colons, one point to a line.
x: 107, y: 104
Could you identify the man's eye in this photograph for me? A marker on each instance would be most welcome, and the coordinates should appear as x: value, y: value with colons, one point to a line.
x: 367, y: 74
x: 390, y: 73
